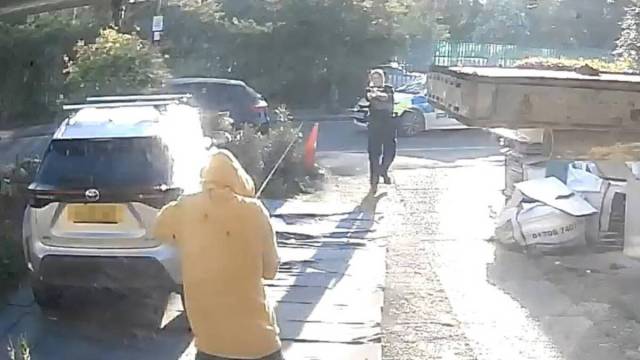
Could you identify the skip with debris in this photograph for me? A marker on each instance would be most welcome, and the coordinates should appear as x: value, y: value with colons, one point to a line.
x: 543, y: 214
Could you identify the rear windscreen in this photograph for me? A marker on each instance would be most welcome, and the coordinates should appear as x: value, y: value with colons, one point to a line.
x: 127, y: 162
x: 219, y: 97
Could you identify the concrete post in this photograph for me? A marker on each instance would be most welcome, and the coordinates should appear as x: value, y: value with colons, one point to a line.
x: 631, y: 225
x: 117, y: 12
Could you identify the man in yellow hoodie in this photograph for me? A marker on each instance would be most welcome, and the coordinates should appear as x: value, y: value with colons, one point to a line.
x: 227, y: 248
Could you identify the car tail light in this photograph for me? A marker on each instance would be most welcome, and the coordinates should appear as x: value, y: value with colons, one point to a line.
x: 40, y: 199
x: 159, y: 199
x: 152, y: 197
x: 260, y: 106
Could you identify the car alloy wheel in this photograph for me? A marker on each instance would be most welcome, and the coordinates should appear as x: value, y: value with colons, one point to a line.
x: 411, y: 123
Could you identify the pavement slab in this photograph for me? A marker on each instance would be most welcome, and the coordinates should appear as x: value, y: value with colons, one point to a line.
x: 321, y: 351
x: 314, y: 292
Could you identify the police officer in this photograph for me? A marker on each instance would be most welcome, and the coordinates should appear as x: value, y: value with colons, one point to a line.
x: 382, y: 129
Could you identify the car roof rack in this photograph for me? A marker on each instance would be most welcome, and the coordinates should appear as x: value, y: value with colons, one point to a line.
x: 102, y: 105
x: 131, y: 98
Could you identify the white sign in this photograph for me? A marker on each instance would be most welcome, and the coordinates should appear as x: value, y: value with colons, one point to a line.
x: 158, y: 23
x: 156, y: 36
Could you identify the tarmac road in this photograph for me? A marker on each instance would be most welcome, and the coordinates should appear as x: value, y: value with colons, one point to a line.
x: 334, y: 136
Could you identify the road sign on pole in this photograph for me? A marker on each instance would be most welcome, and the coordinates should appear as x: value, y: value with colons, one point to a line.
x: 158, y: 23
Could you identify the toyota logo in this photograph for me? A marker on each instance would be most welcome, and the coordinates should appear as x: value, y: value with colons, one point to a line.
x: 92, y: 195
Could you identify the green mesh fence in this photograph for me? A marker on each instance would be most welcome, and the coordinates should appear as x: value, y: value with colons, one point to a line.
x: 447, y: 53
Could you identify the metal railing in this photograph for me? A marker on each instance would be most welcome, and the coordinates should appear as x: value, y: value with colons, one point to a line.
x: 129, y: 101
x: 452, y: 53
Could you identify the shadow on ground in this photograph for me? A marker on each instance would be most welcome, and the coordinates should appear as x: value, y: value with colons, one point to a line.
x: 101, y: 324
x: 586, y: 303
x: 362, y: 217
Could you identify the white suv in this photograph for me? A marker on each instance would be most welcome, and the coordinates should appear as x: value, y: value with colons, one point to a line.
x: 107, y: 171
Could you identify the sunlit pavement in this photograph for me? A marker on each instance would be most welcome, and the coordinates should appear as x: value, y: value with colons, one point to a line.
x: 507, y: 304
x: 448, y: 211
x: 328, y: 294
x: 455, y: 295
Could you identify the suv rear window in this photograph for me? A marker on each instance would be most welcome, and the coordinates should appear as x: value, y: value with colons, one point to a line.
x: 212, y: 96
x: 105, y: 163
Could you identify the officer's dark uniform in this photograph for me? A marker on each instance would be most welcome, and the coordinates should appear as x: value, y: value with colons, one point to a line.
x: 382, y: 133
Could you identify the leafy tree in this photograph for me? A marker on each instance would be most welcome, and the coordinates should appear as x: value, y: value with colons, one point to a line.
x: 460, y: 18
x: 628, y: 44
x: 502, y: 21
x: 115, y: 64
x: 575, y: 23
x: 31, y: 64
x: 259, y: 10
x: 296, y: 52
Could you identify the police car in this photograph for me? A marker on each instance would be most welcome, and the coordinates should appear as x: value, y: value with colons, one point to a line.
x: 412, y: 111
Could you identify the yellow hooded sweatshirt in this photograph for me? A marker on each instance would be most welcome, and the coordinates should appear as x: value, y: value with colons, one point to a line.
x: 227, y: 247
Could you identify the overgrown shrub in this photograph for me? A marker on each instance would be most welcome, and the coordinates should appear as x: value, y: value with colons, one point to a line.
x: 286, y: 179
x: 247, y: 145
x: 12, y: 266
x: 259, y: 153
x: 14, y: 181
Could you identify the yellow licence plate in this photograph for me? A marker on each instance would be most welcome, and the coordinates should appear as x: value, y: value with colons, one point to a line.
x: 95, y: 214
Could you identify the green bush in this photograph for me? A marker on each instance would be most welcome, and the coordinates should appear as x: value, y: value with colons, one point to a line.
x: 259, y: 153
x: 116, y: 64
x: 31, y: 63
x: 247, y: 145
x: 293, y: 51
x: 286, y: 179
x: 12, y: 266
x: 12, y: 204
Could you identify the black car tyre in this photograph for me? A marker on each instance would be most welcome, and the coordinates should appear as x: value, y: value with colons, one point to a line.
x: 48, y: 297
x: 184, y: 309
x: 411, y: 123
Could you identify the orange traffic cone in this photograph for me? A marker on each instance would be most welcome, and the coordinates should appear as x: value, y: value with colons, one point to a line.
x: 310, y: 149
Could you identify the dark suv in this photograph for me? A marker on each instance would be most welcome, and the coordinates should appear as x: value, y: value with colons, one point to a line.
x: 214, y: 95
